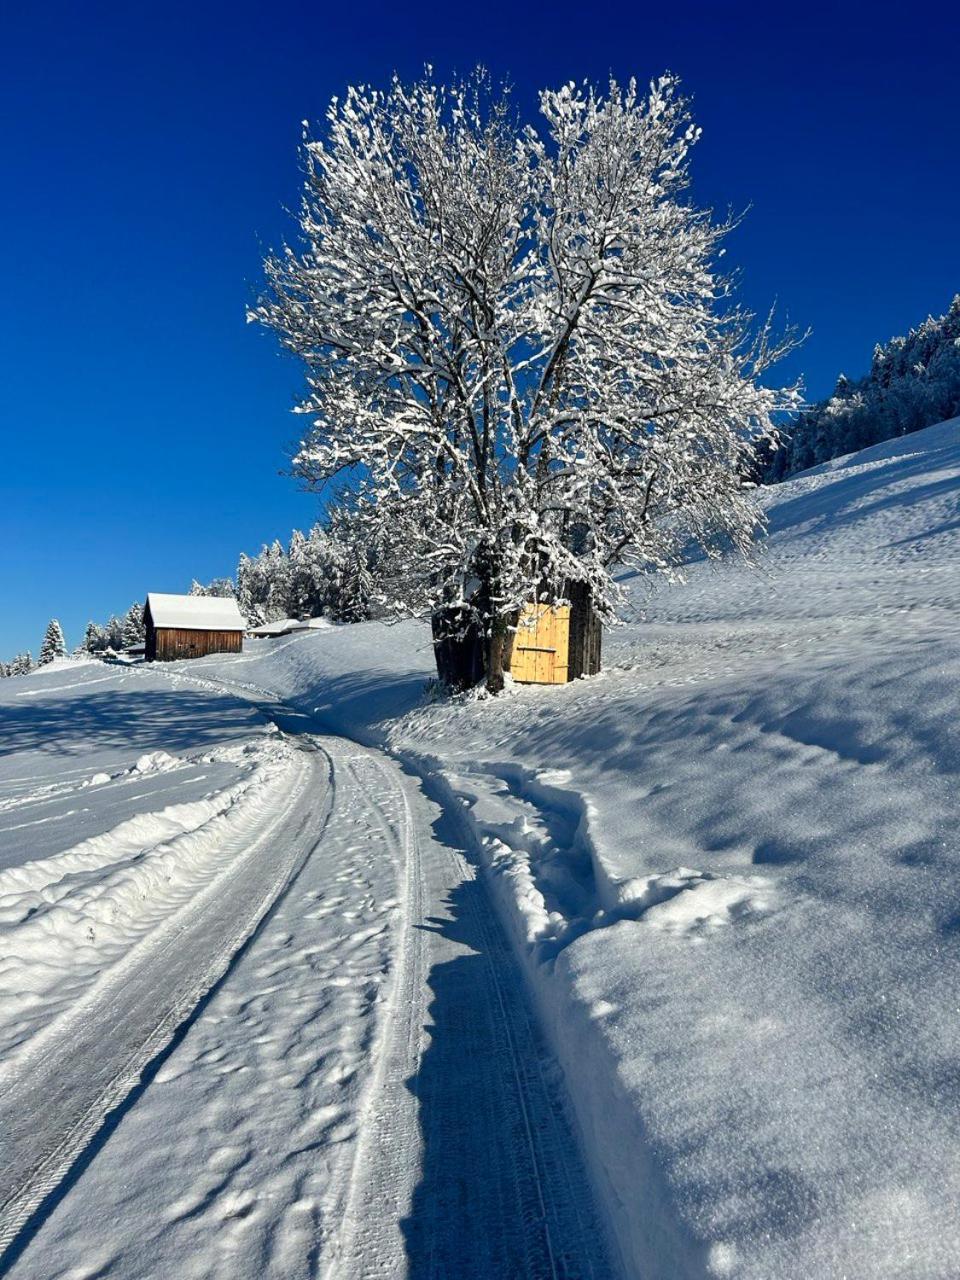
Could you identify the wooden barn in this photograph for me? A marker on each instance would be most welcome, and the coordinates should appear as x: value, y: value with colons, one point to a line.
x: 191, y: 626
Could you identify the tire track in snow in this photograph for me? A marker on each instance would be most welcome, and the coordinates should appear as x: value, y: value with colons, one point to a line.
x: 136, y: 1011
x: 479, y: 1181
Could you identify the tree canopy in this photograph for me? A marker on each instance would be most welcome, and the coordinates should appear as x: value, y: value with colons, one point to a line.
x: 520, y: 356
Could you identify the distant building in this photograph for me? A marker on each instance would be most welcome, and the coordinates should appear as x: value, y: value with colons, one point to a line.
x: 282, y: 627
x: 191, y: 626
x: 287, y: 626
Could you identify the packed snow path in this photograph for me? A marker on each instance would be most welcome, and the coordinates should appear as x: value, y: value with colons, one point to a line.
x: 466, y: 1165
x: 425, y: 1132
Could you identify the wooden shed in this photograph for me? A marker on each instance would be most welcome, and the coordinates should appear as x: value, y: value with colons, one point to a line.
x: 552, y: 643
x: 191, y: 626
x: 556, y: 643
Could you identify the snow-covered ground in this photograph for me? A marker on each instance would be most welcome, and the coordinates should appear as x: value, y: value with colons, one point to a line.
x: 731, y: 861
x: 271, y: 1028
x: 147, y: 828
x: 728, y: 866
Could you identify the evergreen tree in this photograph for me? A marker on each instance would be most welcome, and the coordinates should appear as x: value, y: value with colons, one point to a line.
x: 22, y: 664
x: 134, y: 631
x: 222, y: 587
x: 114, y: 633
x: 54, y: 645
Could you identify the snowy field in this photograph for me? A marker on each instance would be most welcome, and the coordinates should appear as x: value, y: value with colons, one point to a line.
x: 727, y: 865
x: 257, y: 1018
x: 148, y: 827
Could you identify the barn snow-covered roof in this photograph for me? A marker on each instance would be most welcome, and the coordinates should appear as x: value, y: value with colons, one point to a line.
x: 195, y: 613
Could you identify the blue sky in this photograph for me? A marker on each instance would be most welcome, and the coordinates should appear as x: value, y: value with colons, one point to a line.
x: 149, y: 153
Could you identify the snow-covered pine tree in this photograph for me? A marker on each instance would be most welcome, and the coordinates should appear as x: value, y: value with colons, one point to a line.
x: 263, y: 585
x: 244, y: 579
x: 54, y: 645
x: 511, y: 334
x: 114, y: 633
x: 134, y: 630
x: 222, y: 587
x: 301, y: 584
x: 22, y: 664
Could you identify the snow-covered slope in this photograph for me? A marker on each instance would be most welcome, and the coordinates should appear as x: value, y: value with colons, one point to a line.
x: 731, y: 863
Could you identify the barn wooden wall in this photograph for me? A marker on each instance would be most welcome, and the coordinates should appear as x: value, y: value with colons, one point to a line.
x: 541, y: 645
x: 180, y: 642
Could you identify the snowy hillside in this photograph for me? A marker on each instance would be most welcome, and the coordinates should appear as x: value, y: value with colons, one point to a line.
x: 732, y: 860
x: 728, y: 866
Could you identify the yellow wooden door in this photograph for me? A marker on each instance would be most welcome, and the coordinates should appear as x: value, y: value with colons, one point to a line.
x: 542, y: 643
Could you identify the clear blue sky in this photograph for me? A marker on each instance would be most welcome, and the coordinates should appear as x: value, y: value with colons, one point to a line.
x: 149, y: 151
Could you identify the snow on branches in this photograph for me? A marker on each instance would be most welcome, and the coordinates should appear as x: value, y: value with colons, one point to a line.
x: 518, y: 350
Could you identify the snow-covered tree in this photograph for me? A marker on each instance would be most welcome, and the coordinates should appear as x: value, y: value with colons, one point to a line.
x: 94, y: 638
x: 22, y: 664
x: 113, y: 631
x: 54, y: 645
x: 520, y: 356
x: 262, y: 587
x: 134, y: 630
x: 222, y: 587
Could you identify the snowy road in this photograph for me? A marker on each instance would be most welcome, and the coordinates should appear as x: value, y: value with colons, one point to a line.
x: 364, y: 1092
x: 84, y: 1062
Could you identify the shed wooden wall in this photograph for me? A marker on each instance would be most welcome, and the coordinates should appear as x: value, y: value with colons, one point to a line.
x: 586, y: 633
x: 172, y: 643
x: 541, y: 645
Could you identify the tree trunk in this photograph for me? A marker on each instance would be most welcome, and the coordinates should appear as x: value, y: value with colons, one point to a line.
x: 498, y: 650
x: 458, y: 647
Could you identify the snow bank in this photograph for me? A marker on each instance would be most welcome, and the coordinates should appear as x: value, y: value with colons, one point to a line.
x: 66, y: 919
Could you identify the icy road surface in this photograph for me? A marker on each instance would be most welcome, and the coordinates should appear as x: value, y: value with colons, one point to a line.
x: 271, y: 1029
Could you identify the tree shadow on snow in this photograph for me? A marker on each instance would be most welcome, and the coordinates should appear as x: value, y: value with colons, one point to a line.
x: 491, y: 1200
x: 137, y: 720
x: 475, y: 1212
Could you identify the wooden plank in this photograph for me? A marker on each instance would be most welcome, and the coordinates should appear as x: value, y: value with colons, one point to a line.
x: 542, y: 645
x: 562, y: 637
